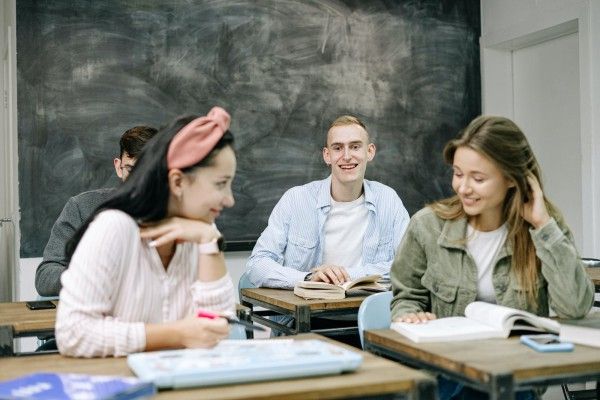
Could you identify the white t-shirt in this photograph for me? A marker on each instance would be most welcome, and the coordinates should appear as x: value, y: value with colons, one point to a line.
x: 344, y: 233
x: 484, y: 247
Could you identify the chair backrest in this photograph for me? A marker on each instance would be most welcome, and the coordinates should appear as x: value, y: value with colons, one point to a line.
x: 244, y: 283
x: 237, y: 331
x: 591, y: 262
x: 374, y: 313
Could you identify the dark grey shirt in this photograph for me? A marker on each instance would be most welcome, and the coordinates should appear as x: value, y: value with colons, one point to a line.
x: 74, y: 214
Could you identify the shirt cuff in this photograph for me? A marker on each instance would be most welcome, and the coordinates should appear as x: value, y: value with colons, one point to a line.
x: 547, y: 235
x: 136, y: 340
x: 216, y: 295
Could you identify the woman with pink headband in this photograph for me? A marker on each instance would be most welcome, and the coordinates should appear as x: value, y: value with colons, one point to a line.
x: 150, y: 257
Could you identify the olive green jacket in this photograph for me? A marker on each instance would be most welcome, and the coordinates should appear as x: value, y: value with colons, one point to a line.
x: 433, y: 271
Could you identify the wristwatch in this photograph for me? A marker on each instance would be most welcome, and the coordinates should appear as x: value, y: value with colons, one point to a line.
x: 308, y: 276
x: 215, y: 246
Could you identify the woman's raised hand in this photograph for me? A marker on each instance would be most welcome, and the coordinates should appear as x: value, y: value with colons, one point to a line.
x: 535, y: 211
x: 176, y: 229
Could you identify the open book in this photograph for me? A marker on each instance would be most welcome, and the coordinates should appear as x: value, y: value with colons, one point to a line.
x: 584, y: 331
x: 481, y: 321
x: 321, y: 290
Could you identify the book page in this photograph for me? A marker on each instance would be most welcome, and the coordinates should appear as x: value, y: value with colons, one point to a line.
x: 446, y: 329
x: 364, y: 279
x: 506, y: 318
x: 317, y: 285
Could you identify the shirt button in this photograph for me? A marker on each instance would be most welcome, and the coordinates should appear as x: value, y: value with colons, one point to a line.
x: 545, y: 236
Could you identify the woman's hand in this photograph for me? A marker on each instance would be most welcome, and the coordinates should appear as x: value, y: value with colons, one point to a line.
x: 535, y: 211
x: 416, y: 318
x: 202, y: 332
x: 178, y: 230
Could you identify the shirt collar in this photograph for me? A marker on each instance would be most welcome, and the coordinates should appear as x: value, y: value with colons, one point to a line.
x: 324, y: 195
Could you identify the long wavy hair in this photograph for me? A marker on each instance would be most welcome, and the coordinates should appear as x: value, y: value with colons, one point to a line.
x: 145, y: 193
x: 501, y: 141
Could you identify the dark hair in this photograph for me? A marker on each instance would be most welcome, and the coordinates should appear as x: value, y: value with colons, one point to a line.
x: 134, y: 139
x: 145, y: 193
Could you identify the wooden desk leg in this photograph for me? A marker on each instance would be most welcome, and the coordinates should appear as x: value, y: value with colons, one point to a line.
x: 502, y: 387
x: 6, y: 341
x: 302, y: 319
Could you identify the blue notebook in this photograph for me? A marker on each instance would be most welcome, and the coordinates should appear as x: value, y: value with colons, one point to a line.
x: 234, y: 361
x: 46, y: 386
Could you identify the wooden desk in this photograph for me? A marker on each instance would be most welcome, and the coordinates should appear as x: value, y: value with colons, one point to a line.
x: 497, y: 366
x: 594, y: 274
x: 375, y: 377
x: 285, y: 302
x: 16, y: 320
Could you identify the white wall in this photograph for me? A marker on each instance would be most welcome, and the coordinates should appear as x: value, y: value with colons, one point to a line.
x: 509, y: 25
x: 8, y: 153
x: 236, y: 264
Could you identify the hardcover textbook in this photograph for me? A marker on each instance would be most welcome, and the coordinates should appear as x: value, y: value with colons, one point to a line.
x: 321, y: 290
x: 481, y: 321
x: 242, y: 361
x: 46, y: 386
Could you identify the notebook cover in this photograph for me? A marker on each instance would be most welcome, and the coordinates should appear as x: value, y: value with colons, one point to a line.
x: 45, y: 386
x: 234, y: 361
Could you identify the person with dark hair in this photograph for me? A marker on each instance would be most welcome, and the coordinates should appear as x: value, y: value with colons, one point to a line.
x: 150, y: 257
x: 131, y: 144
x: 498, y: 240
x: 78, y: 208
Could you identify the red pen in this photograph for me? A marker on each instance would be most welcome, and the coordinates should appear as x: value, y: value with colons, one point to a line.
x: 230, y: 320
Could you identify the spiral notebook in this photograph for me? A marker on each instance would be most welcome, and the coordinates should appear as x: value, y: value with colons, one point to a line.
x: 233, y: 361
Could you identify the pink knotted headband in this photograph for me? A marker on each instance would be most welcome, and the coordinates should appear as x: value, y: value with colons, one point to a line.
x: 195, y: 140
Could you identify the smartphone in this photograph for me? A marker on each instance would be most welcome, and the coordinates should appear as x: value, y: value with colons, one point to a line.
x: 40, y: 305
x: 546, y: 343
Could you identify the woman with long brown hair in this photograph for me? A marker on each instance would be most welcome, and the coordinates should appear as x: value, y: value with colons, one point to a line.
x: 498, y: 239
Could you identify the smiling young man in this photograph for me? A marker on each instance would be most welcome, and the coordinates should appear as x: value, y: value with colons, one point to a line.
x: 336, y: 229
x: 77, y: 210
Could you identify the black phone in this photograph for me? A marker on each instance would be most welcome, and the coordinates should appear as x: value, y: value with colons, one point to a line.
x: 40, y: 305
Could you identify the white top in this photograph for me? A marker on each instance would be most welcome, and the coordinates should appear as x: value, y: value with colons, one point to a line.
x: 484, y: 247
x: 116, y: 283
x: 344, y: 233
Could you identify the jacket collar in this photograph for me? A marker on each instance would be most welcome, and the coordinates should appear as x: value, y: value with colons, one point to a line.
x: 454, y: 233
x: 324, y: 195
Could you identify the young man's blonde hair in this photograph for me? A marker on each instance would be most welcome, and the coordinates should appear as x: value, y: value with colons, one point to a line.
x: 346, y: 120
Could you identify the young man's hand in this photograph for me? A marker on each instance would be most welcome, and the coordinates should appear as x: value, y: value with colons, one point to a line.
x: 330, y: 274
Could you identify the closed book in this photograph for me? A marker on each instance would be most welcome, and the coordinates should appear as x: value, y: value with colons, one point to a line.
x: 321, y: 290
x: 481, y: 321
x: 584, y: 331
x: 46, y: 386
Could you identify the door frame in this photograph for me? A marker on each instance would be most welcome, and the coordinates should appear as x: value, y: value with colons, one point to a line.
x: 496, y: 52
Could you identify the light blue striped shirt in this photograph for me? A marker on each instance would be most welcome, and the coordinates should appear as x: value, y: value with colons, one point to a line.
x: 293, y: 241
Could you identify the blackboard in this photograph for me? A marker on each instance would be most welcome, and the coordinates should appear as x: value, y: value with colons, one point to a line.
x: 88, y: 70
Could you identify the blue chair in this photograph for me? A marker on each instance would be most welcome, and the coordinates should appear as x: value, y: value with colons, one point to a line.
x: 374, y: 313
x: 244, y: 283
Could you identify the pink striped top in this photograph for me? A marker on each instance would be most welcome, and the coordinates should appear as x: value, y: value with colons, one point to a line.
x: 116, y: 283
